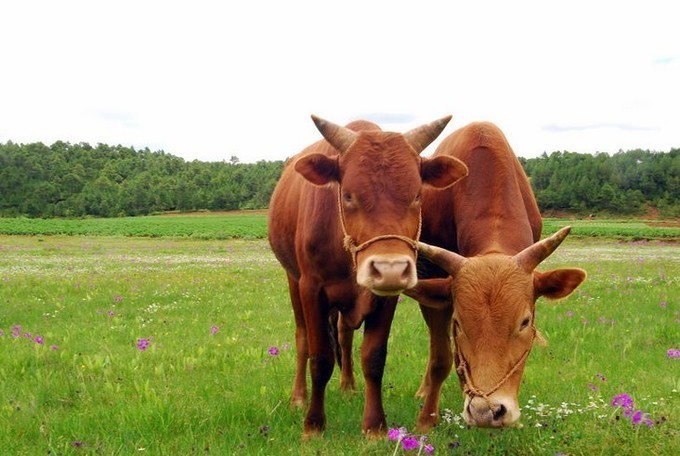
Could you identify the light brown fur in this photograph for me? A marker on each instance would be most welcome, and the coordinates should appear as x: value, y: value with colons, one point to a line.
x: 488, y: 218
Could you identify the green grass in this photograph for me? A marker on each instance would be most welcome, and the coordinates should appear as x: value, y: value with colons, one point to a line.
x: 249, y: 225
x: 253, y: 225
x: 195, y: 392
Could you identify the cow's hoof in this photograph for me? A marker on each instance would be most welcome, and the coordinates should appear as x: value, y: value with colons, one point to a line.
x: 378, y: 434
x: 311, y: 434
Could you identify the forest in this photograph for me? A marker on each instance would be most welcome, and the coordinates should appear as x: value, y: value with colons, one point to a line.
x: 79, y: 180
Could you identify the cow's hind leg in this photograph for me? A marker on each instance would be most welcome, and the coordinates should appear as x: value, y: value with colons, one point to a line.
x: 439, y: 364
x: 298, y: 397
x: 321, y: 356
x: 373, y: 356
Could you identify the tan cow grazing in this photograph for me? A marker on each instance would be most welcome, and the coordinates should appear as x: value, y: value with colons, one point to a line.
x: 344, y: 221
x: 492, y: 223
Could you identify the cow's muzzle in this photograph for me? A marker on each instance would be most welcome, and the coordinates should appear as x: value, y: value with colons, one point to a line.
x: 387, y: 275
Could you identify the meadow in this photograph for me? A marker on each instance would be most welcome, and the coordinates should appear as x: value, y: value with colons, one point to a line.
x: 159, y: 344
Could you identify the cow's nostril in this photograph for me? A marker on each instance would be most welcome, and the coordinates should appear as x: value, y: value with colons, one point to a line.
x: 499, y: 412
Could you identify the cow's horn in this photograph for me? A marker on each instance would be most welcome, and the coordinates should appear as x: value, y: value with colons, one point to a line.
x: 532, y: 256
x: 339, y: 137
x: 449, y: 261
x: 421, y: 137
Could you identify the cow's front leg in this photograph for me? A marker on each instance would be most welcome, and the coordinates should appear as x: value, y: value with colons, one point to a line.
x: 373, y: 356
x: 438, y: 366
x: 321, y: 357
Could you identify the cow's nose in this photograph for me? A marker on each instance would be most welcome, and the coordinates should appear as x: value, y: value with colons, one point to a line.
x: 485, y: 413
x: 390, y: 274
x: 498, y: 412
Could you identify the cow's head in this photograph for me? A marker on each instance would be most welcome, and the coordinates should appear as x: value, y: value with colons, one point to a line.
x: 378, y: 177
x: 494, y: 300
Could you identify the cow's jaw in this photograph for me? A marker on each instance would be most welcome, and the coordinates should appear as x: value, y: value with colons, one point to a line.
x: 496, y: 412
x: 387, y: 274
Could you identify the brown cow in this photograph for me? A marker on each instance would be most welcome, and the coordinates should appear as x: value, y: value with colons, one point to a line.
x: 492, y: 222
x: 343, y: 221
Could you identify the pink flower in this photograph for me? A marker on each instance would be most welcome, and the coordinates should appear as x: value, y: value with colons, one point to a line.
x: 396, y: 433
x: 273, y: 350
x: 214, y: 329
x: 409, y: 443
x: 143, y: 344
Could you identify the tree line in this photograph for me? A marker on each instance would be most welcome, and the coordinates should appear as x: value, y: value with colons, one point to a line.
x: 77, y: 180
x: 625, y: 183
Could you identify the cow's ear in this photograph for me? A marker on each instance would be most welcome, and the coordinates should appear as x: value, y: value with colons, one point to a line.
x: 318, y: 169
x: 435, y: 293
x: 559, y: 283
x: 442, y: 171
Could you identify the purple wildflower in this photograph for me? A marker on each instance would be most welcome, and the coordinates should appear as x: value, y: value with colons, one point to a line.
x: 570, y: 314
x: 673, y: 353
x: 118, y: 298
x: 637, y: 417
x: 429, y: 449
x: 396, y: 433
x: 27, y: 335
x: 143, y: 344
x: 55, y: 347
x: 623, y: 400
x: 273, y: 350
x: 110, y: 313
x: 285, y: 346
x: 663, y: 304
x: 214, y: 329
x: 39, y: 340
x: 409, y: 443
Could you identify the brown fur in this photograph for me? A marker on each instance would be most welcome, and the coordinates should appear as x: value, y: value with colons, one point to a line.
x: 488, y: 217
x: 380, y: 176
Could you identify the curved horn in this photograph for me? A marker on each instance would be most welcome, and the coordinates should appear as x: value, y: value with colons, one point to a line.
x: 449, y: 261
x: 339, y: 137
x: 532, y: 256
x: 421, y: 137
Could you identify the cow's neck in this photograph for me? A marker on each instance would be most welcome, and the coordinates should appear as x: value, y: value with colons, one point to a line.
x: 490, y: 213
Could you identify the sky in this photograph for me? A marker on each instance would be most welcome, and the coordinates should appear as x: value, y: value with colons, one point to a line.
x: 209, y: 80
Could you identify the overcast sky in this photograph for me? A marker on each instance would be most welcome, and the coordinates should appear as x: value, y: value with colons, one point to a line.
x: 208, y: 80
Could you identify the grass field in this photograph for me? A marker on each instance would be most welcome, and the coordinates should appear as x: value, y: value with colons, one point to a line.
x: 253, y: 225
x: 161, y: 345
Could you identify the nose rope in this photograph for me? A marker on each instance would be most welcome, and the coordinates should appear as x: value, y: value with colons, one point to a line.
x: 351, y: 246
x: 469, y: 388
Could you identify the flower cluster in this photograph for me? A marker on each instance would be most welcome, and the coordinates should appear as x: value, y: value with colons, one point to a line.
x: 626, y: 402
x: 409, y: 441
x: 143, y: 344
x: 18, y: 332
x: 673, y: 353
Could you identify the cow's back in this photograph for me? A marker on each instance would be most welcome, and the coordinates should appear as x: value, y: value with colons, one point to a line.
x: 493, y: 209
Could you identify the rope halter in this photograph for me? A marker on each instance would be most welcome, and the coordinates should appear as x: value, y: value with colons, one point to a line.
x: 353, y: 248
x: 469, y: 388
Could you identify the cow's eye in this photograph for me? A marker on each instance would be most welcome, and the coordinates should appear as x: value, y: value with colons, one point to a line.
x: 347, y: 197
x: 417, y: 199
x: 525, y: 324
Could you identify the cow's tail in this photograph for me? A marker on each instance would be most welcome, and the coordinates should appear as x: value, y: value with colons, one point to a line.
x: 333, y: 317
